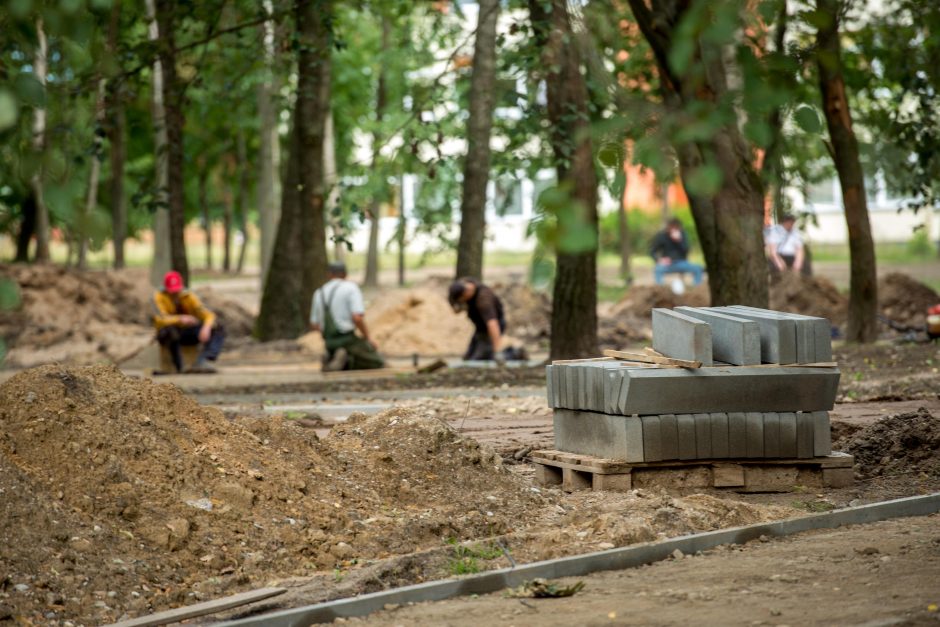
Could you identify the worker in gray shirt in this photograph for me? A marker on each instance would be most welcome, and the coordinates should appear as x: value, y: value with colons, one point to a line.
x: 337, y: 312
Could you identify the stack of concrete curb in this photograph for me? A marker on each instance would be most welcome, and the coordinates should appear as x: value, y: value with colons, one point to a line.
x: 763, y: 392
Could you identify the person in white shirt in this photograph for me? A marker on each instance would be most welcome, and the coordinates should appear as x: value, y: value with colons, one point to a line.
x: 337, y: 311
x: 785, y: 249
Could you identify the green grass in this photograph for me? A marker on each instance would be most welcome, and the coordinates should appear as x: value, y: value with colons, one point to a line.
x: 465, y: 560
x: 893, y: 253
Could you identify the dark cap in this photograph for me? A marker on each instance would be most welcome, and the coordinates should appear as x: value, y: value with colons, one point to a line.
x: 455, y: 291
x: 337, y: 267
x: 788, y: 217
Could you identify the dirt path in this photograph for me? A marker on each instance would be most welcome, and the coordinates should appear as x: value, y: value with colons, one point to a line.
x: 880, y: 574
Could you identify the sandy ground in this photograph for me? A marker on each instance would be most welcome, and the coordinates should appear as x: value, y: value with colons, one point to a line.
x: 880, y: 574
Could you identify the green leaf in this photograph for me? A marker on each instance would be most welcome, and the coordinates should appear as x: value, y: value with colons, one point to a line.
x: 8, y: 110
x: 704, y: 180
x: 20, y: 8
x: 807, y: 119
x: 29, y: 90
x: 758, y: 132
x: 9, y: 295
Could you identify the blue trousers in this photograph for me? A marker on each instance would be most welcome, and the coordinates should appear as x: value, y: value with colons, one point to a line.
x: 678, y: 267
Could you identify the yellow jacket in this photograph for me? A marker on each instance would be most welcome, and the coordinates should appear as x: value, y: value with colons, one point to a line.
x: 168, y: 313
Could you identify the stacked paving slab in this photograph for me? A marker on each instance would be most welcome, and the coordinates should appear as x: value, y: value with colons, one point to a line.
x: 734, y: 406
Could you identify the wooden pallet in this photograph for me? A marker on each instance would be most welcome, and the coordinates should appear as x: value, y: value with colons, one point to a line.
x: 583, y: 472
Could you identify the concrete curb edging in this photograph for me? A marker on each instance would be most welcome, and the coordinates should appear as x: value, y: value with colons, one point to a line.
x: 578, y: 565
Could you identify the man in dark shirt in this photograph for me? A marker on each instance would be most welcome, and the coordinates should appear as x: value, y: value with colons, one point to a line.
x: 485, y: 310
x: 669, y: 250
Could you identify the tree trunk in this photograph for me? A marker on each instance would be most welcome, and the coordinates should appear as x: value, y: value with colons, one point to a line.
x: 476, y: 169
x: 269, y: 210
x: 863, y: 283
x: 204, y: 209
x: 40, y: 65
x: 623, y: 231
x: 402, y: 229
x: 115, y: 131
x: 380, y: 188
x: 227, y: 218
x: 27, y: 228
x: 241, y: 199
x: 298, y: 263
x: 173, y: 103
x: 161, y: 221
x: 730, y: 222
x: 331, y: 180
x: 94, y: 176
x: 574, y: 298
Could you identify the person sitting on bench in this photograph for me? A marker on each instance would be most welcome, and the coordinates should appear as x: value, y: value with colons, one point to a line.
x: 669, y: 250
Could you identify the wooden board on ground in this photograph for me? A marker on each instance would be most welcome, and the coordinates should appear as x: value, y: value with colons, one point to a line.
x: 201, y: 609
x: 584, y: 472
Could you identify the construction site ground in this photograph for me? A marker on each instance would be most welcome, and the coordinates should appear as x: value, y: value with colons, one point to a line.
x: 124, y: 497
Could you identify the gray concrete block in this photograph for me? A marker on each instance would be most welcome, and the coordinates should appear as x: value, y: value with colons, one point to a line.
x: 804, y: 435
x: 822, y: 332
x: 549, y: 387
x: 648, y: 391
x: 777, y: 335
x: 652, y: 439
x: 737, y: 435
x: 681, y: 336
x: 787, y: 434
x: 703, y: 436
x: 735, y: 340
x: 822, y: 434
x: 571, y: 387
x: 600, y: 435
x: 754, y: 427
x: 771, y: 434
x: 720, y: 443
x: 685, y: 424
x: 669, y: 436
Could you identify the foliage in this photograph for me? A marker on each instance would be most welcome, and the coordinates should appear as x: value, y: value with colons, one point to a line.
x: 465, y: 559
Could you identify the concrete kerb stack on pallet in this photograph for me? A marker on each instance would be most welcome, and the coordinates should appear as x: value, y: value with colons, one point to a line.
x: 728, y: 397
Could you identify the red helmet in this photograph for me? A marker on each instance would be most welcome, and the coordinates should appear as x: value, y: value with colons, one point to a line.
x: 173, y: 282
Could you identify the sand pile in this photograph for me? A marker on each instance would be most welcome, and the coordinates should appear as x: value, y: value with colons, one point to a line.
x: 77, y: 317
x: 417, y: 320
x: 905, y: 300
x: 810, y: 296
x: 528, y: 311
x: 898, y: 444
x: 120, y: 485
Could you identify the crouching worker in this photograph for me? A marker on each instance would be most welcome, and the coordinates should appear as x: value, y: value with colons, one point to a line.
x: 337, y: 312
x: 485, y: 310
x: 182, y: 320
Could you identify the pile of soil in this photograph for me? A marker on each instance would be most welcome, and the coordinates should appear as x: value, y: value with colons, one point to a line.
x: 810, y: 296
x: 528, y: 311
x: 629, y: 321
x: 81, y: 317
x: 125, y: 496
x: 898, y: 444
x: 905, y: 300
x: 418, y: 320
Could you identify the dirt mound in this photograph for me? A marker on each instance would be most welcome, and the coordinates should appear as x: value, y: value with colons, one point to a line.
x: 528, y: 311
x: 810, y: 296
x: 905, y: 300
x: 641, y: 299
x: 139, y: 491
x: 418, y: 320
x: 76, y: 317
x: 898, y: 444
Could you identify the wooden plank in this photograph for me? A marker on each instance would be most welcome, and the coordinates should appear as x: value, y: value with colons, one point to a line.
x: 652, y: 359
x: 575, y: 361
x: 201, y: 609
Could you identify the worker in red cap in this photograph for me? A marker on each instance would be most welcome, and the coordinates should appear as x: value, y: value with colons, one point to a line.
x: 182, y: 320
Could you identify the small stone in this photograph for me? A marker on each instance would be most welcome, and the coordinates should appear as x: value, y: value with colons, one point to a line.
x: 764, y: 538
x: 677, y: 554
x: 30, y: 397
x: 21, y: 587
x: 605, y: 546
x: 868, y: 550
x: 775, y: 612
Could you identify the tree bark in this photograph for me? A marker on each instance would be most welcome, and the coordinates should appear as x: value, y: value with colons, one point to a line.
x: 175, y: 120
x: 298, y: 263
x: 730, y: 222
x: 623, y: 231
x: 115, y: 130
x: 476, y: 169
x: 94, y: 176
x: 241, y: 199
x: 372, y: 252
x: 204, y: 208
x: 27, y: 228
x: 269, y: 211
x: 574, y: 297
x: 227, y: 216
x: 40, y: 65
x: 863, y: 282
x: 161, y: 221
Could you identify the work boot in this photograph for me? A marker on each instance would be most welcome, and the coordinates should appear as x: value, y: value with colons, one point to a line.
x: 202, y: 366
x: 337, y: 361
